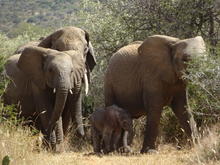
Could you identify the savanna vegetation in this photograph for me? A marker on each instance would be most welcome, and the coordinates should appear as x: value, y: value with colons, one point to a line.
x: 111, y: 25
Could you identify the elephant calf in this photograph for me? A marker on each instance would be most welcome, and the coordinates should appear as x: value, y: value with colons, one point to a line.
x: 107, y: 126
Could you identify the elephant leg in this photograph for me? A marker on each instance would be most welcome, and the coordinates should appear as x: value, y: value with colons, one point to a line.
x: 154, y: 108
x: 184, y: 116
x: 107, y: 135
x: 77, y: 116
x: 109, y: 95
x: 115, y: 139
x: 59, y: 135
x: 96, y: 140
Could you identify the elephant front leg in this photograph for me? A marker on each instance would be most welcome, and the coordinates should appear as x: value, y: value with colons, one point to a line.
x: 115, y: 139
x: 107, y: 135
x: 154, y: 108
x: 184, y: 116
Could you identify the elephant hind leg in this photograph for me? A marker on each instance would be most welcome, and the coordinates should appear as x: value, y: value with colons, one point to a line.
x: 109, y: 95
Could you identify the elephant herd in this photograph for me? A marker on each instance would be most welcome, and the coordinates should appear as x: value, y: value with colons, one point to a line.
x: 47, y: 78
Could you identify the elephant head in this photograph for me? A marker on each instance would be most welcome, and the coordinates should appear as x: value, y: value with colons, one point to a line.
x: 170, y: 54
x: 72, y: 38
x: 60, y: 73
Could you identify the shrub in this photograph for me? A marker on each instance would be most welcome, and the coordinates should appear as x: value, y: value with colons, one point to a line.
x: 204, y: 88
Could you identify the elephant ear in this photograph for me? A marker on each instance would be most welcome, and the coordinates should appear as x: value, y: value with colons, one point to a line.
x: 31, y: 64
x: 78, y: 66
x: 90, y: 56
x: 11, y: 68
x: 156, y: 53
x: 48, y: 41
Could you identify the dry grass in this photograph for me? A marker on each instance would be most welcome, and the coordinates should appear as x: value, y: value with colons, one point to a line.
x: 208, y: 148
x: 21, y: 147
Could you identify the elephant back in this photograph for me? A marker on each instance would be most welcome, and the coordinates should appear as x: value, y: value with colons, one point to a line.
x: 126, y: 55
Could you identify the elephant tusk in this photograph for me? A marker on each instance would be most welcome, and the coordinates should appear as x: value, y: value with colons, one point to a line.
x: 86, y: 83
x: 54, y: 90
x: 71, y: 92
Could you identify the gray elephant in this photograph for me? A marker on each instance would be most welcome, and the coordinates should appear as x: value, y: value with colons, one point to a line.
x: 47, y: 83
x: 108, y: 125
x: 72, y: 38
x: 145, y: 77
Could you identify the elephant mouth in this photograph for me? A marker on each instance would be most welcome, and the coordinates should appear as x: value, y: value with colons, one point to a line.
x: 52, y: 92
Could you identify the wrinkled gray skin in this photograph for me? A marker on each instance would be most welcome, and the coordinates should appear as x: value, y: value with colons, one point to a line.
x: 144, y: 77
x: 107, y: 125
x: 47, y: 83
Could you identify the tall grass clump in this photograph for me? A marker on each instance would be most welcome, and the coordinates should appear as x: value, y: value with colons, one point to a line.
x: 208, y: 148
x: 18, y: 143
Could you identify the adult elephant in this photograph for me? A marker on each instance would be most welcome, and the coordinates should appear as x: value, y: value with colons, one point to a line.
x: 145, y: 77
x: 72, y: 38
x: 47, y: 83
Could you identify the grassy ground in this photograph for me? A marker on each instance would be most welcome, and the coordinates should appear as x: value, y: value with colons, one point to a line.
x: 20, y: 146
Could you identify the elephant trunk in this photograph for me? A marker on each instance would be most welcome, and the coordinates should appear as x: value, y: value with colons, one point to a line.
x: 125, y: 139
x: 61, y: 97
x: 79, y: 118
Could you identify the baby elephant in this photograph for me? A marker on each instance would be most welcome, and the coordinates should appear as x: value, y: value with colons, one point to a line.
x: 107, y: 125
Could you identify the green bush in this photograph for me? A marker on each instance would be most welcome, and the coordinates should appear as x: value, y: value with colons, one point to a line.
x: 204, y: 88
x: 28, y: 31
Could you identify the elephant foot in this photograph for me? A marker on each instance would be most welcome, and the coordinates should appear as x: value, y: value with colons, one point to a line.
x: 127, y: 149
x: 99, y: 154
x: 149, y: 150
x: 59, y: 148
x: 80, y: 133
